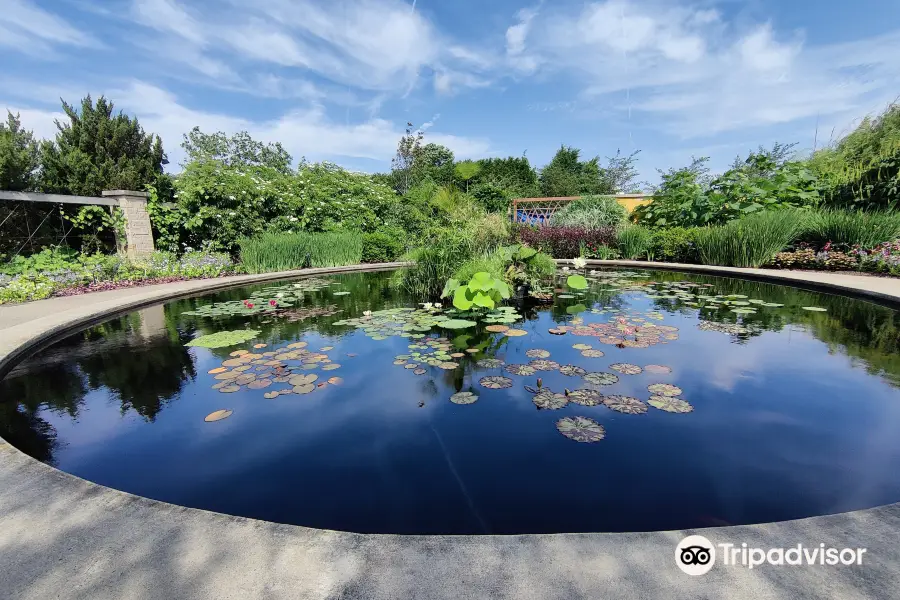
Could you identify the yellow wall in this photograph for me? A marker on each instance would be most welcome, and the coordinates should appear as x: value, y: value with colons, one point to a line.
x: 631, y: 203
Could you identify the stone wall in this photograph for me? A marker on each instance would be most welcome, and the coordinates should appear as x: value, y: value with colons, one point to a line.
x: 138, y: 232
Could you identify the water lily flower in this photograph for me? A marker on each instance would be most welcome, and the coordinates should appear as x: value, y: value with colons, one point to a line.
x: 579, y: 262
x: 273, y: 303
x: 249, y: 305
x: 427, y: 305
x: 437, y: 304
x: 367, y: 313
x: 565, y: 268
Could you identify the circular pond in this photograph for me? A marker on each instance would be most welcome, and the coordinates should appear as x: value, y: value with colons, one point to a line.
x: 649, y: 401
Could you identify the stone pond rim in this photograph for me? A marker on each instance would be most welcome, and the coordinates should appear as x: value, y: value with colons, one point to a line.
x: 52, y: 522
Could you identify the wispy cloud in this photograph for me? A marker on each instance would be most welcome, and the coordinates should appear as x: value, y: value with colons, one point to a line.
x: 25, y: 27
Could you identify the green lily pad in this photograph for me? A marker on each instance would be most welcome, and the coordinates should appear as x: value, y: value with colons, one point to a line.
x: 223, y: 339
x: 658, y: 369
x: 669, y: 404
x: 463, y: 398
x: 625, y: 404
x: 581, y: 346
x: 586, y: 397
x: 577, y: 282
x: 331, y: 367
x: 537, y: 353
x: 548, y: 400
x: 601, y: 378
x: 496, y: 382
x: 303, y: 379
x: 457, y: 324
x: 523, y: 370
x: 664, y: 389
x: 592, y: 353
x: 541, y: 364
x: 815, y: 308
x: 626, y: 368
x: 581, y: 429
x: 218, y: 415
x: 572, y: 370
x: 489, y: 363
x: 565, y: 296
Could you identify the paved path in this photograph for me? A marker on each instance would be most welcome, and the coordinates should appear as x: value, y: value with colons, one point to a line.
x: 63, y: 537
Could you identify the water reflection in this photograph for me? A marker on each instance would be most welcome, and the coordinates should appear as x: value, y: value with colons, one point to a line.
x: 773, y: 388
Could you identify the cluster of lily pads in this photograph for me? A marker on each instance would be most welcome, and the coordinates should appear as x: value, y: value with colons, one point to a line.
x: 271, y: 300
x: 416, y: 323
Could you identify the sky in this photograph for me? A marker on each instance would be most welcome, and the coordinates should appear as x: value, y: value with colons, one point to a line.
x: 338, y: 80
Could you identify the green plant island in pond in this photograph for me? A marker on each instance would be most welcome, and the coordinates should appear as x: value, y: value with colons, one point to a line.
x: 482, y: 291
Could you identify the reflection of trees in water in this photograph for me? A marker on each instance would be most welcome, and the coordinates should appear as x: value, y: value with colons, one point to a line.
x: 861, y: 330
x: 24, y: 429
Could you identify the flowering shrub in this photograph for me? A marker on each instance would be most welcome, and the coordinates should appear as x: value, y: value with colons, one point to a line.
x: 566, y: 242
x: 57, y: 272
x: 884, y: 258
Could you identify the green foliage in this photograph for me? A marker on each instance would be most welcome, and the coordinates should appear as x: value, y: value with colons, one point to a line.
x: 494, y: 262
x: 763, y: 181
x: 437, y: 259
x: 466, y: 170
x: 591, y: 212
x: 287, y: 251
x: 482, y: 291
x: 634, y: 241
x: 749, y: 242
x: 600, y: 252
x: 383, y: 245
x: 237, y: 150
x: 866, y: 229
x: 92, y: 221
x: 514, y: 175
x: 18, y: 155
x: 223, y: 339
x: 493, y: 198
x: 577, y: 282
x: 862, y: 170
x: 674, y: 244
x: 566, y: 175
x: 681, y: 199
x: 97, y: 150
x: 415, y: 163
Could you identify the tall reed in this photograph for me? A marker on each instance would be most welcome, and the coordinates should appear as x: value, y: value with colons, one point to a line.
x: 634, y: 241
x: 868, y: 229
x: 751, y: 241
x: 287, y: 251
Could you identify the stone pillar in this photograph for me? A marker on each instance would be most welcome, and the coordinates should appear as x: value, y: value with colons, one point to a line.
x: 138, y: 233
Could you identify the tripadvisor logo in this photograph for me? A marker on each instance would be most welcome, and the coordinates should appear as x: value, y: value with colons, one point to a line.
x: 696, y: 555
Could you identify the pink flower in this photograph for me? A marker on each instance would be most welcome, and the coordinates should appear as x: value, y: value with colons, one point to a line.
x: 273, y: 303
x: 249, y: 305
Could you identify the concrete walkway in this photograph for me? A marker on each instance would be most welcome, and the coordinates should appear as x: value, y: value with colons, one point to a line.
x: 63, y: 537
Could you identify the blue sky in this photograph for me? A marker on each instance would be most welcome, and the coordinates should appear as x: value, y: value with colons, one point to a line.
x: 338, y: 79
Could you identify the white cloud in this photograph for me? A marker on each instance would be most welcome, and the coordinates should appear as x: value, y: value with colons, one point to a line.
x: 689, y: 73
x: 304, y: 132
x: 28, y: 28
x: 168, y: 16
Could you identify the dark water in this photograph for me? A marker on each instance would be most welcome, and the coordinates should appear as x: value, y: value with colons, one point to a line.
x: 796, y: 417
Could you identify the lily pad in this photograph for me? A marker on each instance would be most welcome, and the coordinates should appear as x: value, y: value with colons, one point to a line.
x: 305, y: 388
x: 217, y: 371
x: 548, y: 400
x: 245, y: 379
x: 411, y: 366
x: 457, y: 324
x: 626, y: 368
x: 577, y: 282
x: 592, y: 353
x: 515, y: 332
x: 340, y: 293
x: 489, y: 363
x: 586, y: 397
x: 326, y: 348
x: 581, y: 346
x: 496, y: 382
x: 259, y: 384
x: 581, y: 429
x: 537, y: 353
x: 258, y: 346
x: 544, y: 365
x: 463, y: 398
x: 565, y: 296
x: 669, y: 404
x: 228, y: 375
x: 223, y: 339
x: 238, y: 353
x: 658, y: 369
x: 419, y: 372
x: 572, y: 370
x: 625, y: 404
x: 331, y: 367
x: 601, y: 378
x: 815, y: 308
x: 229, y: 389
x: 664, y: 389
x: 447, y: 366
x: 496, y: 328
x: 521, y: 369
x: 557, y: 331
x: 218, y: 415
x: 270, y: 395
x: 303, y: 379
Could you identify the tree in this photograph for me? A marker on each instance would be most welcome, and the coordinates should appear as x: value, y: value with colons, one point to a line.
x: 621, y: 174
x: 18, y: 155
x: 466, y: 170
x: 566, y: 175
x: 239, y: 149
x: 408, y: 149
x: 513, y: 175
x: 98, y: 151
x: 434, y: 162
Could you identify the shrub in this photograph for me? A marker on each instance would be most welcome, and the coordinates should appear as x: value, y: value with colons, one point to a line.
x: 866, y: 229
x: 600, y: 252
x: 287, y: 251
x: 675, y: 244
x: 383, y: 245
x: 435, y: 263
x: 541, y: 266
x: 491, y: 197
x: 634, y: 241
x: 566, y: 242
x: 749, y: 242
x: 494, y: 263
x: 591, y: 212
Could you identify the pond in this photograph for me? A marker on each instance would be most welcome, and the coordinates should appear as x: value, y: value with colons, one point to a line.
x: 650, y: 401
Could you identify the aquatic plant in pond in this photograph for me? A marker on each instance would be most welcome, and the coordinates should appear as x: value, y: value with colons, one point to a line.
x: 223, y: 339
x: 421, y: 407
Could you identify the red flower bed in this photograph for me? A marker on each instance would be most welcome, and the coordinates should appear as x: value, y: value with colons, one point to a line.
x: 565, y: 242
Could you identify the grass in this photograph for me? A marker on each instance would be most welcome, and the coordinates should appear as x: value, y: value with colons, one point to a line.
x: 749, y: 242
x: 287, y: 251
x: 634, y: 241
x: 868, y: 229
x: 435, y: 263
